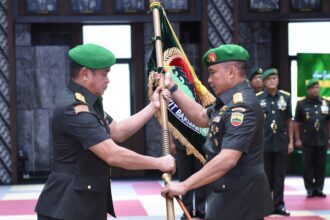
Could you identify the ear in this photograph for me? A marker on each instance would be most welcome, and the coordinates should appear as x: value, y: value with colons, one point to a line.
x: 84, y: 74
x: 231, y: 70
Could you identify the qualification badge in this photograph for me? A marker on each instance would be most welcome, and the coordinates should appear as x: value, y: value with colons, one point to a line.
x: 281, y: 103
x: 307, y: 116
x: 263, y: 103
x: 324, y: 107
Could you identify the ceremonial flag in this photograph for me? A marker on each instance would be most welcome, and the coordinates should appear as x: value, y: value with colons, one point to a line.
x: 176, y: 62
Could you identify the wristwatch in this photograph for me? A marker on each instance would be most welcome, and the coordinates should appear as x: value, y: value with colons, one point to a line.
x: 174, y: 88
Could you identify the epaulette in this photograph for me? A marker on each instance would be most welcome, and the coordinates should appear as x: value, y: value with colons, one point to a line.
x: 259, y: 93
x: 326, y: 98
x: 80, y: 97
x: 301, y: 98
x: 237, y: 97
x: 284, y: 92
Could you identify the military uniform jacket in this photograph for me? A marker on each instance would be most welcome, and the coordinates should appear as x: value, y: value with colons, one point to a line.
x: 277, y: 111
x: 237, y: 124
x: 78, y: 187
x: 313, y: 117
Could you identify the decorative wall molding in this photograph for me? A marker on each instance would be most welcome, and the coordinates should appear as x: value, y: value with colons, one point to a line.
x: 220, y: 22
x: 5, y: 140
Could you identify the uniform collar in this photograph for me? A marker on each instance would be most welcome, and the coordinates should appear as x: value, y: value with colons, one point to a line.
x: 318, y: 99
x: 227, y: 96
x: 89, y: 97
x: 268, y: 94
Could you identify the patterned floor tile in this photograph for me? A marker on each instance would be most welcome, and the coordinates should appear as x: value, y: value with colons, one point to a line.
x: 137, y: 200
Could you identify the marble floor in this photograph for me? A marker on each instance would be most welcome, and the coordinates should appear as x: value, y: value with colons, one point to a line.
x: 137, y: 200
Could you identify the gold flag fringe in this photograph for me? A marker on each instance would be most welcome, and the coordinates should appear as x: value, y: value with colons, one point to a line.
x: 190, y: 149
x: 204, y: 95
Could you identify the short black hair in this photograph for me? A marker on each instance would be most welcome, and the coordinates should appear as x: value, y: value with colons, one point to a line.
x: 242, y: 66
x: 74, y: 69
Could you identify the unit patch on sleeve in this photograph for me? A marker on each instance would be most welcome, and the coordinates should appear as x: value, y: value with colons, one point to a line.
x: 81, y: 108
x: 236, y: 118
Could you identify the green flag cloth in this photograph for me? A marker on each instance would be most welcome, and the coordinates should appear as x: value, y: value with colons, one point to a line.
x: 176, y: 62
x: 313, y: 66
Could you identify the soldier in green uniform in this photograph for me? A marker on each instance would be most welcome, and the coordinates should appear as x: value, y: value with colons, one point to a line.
x: 278, y: 132
x: 84, y: 147
x: 256, y: 80
x: 234, y: 147
x: 312, y: 133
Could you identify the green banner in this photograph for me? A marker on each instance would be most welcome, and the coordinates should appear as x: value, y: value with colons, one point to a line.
x: 176, y: 62
x: 313, y: 66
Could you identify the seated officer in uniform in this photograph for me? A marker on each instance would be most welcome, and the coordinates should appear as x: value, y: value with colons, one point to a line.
x: 84, y: 147
x: 312, y: 123
x: 255, y: 80
x: 234, y: 147
x: 278, y: 132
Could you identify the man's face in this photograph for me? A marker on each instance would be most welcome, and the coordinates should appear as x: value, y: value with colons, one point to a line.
x: 98, y: 81
x: 271, y: 82
x: 219, y: 78
x: 256, y: 82
x: 313, y: 91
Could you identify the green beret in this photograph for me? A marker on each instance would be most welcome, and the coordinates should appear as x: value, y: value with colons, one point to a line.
x: 311, y: 83
x: 268, y: 72
x: 224, y: 53
x: 92, y: 56
x: 256, y: 71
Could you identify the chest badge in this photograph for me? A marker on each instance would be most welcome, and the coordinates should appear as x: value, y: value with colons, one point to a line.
x: 307, y: 116
x: 236, y: 118
x: 281, y: 103
x: 263, y: 103
x: 324, y: 108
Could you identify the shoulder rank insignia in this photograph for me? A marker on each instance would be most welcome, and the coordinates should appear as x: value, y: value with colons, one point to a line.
x: 301, y: 98
x: 259, y: 93
x: 237, y: 97
x: 284, y: 92
x: 326, y: 98
x: 236, y: 118
x: 80, y: 97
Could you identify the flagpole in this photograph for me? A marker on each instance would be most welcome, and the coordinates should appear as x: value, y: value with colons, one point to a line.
x: 154, y: 7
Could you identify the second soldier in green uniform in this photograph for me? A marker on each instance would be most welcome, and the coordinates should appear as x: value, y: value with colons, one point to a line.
x: 278, y: 132
x: 312, y: 133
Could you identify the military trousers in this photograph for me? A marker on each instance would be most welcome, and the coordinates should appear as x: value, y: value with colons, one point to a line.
x: 314, y: 167
x: 275, y: 168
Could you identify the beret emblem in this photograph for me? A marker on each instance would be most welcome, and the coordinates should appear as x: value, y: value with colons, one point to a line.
x: 212, y: 57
